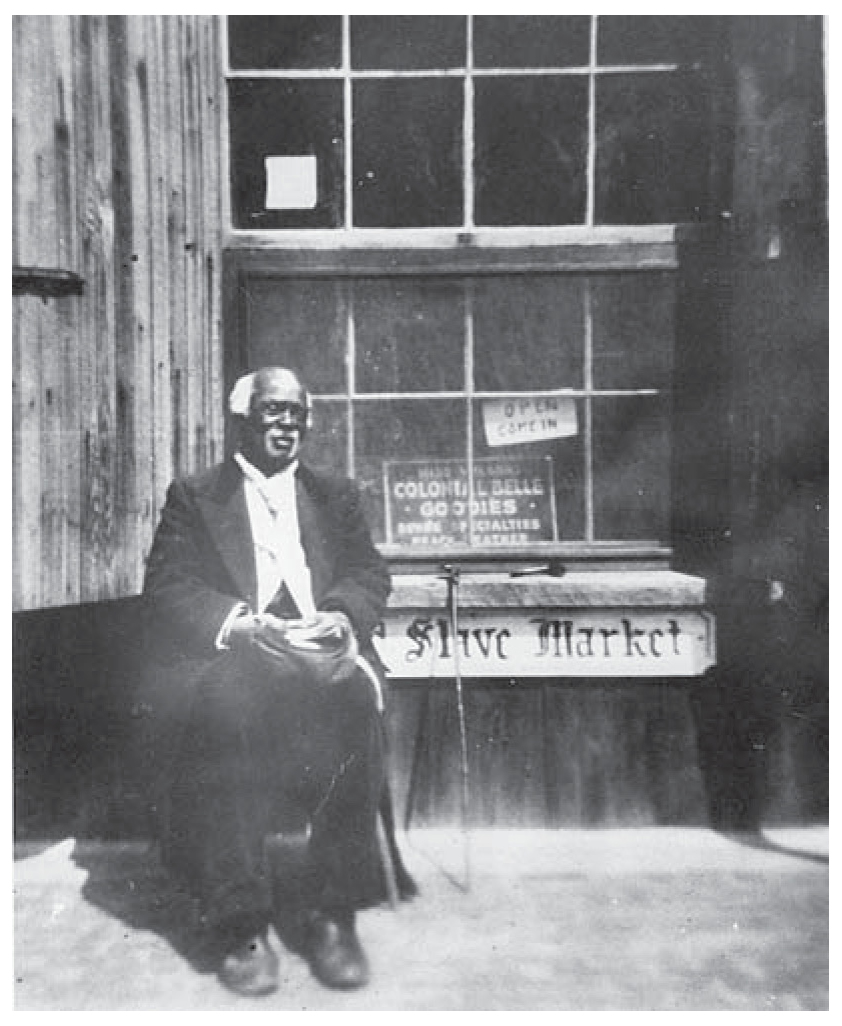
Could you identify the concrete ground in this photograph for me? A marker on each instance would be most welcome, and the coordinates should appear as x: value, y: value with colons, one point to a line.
x: 650, y: 919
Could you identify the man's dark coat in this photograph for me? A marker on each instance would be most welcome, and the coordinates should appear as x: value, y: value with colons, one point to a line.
x: 202, y: 560
x: 202, y: 563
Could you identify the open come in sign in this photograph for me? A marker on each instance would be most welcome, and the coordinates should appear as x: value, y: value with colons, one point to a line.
x: 521, y: 419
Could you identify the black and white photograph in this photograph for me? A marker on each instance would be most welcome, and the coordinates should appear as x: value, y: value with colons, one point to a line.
x: 419, y: 528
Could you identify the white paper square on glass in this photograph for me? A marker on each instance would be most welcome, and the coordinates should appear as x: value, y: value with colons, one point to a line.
x: 523, y: 418
x: 291, y: 183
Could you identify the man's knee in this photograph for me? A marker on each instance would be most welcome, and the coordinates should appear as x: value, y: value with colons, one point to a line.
x: 363, y: 691
x: 356, y: 704
x: 358, y: 722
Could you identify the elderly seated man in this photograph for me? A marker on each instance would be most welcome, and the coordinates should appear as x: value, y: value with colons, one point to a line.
x: 264, y: 588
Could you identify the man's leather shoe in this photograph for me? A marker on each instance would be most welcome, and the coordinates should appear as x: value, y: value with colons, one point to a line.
x: 334, y: 952
x: 251, y: 968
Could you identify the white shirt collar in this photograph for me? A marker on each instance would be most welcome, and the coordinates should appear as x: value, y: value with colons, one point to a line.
x: 251, y: 471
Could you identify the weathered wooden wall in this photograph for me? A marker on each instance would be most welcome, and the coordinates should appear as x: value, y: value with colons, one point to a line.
x: 117, y: 180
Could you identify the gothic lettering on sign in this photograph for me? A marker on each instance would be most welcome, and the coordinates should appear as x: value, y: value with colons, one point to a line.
x: 560, y: 639
x: 433, y: 637
x: 511, y: 643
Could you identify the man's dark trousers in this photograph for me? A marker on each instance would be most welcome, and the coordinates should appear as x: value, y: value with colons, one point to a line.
x: 266, y: 755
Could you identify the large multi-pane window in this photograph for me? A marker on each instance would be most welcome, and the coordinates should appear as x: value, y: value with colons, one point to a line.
x: 493, y: 410
x: 467, y: 121
x: 502, y: 390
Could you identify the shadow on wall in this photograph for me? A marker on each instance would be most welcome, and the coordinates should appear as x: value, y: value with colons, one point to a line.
x: 74, y: 671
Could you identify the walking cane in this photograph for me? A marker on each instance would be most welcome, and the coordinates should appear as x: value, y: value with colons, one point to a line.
x: 451, y: 576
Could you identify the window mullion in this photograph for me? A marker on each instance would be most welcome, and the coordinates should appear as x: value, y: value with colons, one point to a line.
x: 590, y: 200
x: 469, y: 404
x: 351, y: 376
x: 590, y: 203
x: 468, y: 129
x: 348, y: 119
x: 588, y: 340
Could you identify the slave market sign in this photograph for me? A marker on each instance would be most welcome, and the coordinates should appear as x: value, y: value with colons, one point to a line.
x: 511, y: 643
x: 510, y: 501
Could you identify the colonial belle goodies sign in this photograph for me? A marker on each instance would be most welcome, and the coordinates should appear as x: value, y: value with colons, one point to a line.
x: 510, y: 501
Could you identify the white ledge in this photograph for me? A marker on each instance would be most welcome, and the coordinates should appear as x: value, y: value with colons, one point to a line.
x: 447, y: 238
x: 587, y: 589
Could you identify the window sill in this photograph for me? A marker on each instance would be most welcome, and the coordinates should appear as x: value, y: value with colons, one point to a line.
x: 592, y: 589
x: 447, y: 238
x: 448, y: 251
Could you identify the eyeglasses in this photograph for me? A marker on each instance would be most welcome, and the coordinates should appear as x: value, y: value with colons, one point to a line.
x: 291, y: 414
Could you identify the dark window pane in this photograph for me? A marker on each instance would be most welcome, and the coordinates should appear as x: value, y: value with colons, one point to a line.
x: 408, y: 42
x: 407, y: 153
x: 654, y: 39
x: 631, y: 468
x: 410, y: 428
x: 325, y: 446
x: 402, y: 430
x: 528, y: 333
x: 531, y: 139
x: 409, y: 335
x: 285, y: 119
x: 255, y: 41
x: 633, y: 317
x: 301, y: 324
x: 531, y: 42
x: 652, y: 149
x: 565, y: 460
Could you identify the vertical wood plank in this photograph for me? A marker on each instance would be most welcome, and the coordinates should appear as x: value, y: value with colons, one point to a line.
x: 212, y: 184
x: 156, y: 256
x: 85, y: 351
x: 172, y: 198
x: 116, y: 164
x: 54, y: 189
x: 26, y: 446
x: 67, y: 119
x: 137, y: 274
x: 128, y: 379
x: 98, y: 527
x: 28, y: 98
x: 192, y: 381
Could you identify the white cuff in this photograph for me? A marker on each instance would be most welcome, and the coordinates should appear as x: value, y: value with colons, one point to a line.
x: 364, y: 665
x: 221, y: 642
